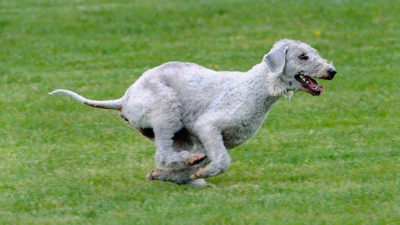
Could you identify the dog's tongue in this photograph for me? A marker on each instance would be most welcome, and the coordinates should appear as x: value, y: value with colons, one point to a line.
x: 314, y: 85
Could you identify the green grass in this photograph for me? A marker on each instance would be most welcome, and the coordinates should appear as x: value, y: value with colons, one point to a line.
x: 332, y: 159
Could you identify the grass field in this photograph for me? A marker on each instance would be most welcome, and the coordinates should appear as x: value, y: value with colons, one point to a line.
x: 333, y: 159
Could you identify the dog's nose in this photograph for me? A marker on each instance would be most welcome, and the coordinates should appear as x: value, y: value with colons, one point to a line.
x: 331, y: 73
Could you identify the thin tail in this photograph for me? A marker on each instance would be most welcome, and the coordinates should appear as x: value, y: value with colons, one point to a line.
x: 108, y: 104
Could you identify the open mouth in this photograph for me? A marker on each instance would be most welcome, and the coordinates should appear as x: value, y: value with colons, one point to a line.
x: 309, y: 84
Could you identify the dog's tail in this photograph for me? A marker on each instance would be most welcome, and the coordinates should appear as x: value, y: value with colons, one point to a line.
x: 108, y: 104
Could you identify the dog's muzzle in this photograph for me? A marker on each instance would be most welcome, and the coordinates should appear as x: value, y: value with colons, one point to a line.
x: 331, y: 73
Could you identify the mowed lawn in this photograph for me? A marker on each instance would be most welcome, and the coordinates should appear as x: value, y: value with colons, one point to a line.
x: 332, y: 159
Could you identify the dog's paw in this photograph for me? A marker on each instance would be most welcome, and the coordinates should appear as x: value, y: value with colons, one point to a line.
x: 153, y: 175
x: 200, y: 183
x: 197, y: 158
x: 197, y: 173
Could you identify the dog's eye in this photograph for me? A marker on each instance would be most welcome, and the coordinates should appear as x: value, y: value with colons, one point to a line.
x: 303, y: 57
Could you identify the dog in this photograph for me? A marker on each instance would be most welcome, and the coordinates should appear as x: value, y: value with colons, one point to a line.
x: 194, y: 115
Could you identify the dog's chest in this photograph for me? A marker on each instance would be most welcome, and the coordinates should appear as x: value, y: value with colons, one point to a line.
x: 235, y: 136
x: 243, y: 128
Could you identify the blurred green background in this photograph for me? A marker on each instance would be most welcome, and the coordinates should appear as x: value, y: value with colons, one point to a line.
x: 332, y: 159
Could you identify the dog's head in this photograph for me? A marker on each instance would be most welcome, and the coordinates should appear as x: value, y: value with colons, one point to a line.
x: 296, y: 63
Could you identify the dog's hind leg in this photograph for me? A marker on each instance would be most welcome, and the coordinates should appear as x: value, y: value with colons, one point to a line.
x: 166, y: 122
x: 176, y: 176
x: 173, y: 155
x: 181, y: 176
x: 184, y: 141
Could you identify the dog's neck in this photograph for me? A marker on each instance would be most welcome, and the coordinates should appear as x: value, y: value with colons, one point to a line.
x: 271, y: 82
x: 261, y: 89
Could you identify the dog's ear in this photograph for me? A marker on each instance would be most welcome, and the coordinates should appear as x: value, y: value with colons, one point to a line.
x: 276, y: 59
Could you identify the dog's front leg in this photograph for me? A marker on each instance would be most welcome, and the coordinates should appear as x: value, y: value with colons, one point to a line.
x: 216, y: 152
x: 166, y: 157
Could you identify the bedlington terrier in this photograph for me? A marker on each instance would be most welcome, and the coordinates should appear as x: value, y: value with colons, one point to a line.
x: 194, y: 114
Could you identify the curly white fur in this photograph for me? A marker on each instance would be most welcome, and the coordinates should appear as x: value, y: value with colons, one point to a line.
x: 195, y: 114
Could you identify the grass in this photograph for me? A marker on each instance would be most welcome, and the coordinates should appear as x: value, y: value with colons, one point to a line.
x: 332, y: 159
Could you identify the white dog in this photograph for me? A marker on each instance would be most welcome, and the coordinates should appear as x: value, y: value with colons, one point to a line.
x: 194, y: 114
